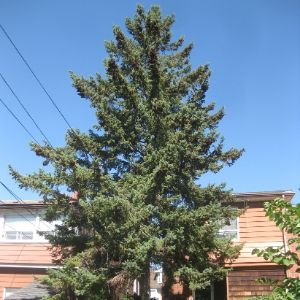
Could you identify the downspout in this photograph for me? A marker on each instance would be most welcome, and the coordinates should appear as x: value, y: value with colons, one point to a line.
x: 285, y: 242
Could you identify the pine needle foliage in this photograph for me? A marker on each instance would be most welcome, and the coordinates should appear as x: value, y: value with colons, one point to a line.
x: 138, y: 170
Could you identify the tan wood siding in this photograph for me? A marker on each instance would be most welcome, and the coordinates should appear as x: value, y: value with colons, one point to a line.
x: 256, y: 231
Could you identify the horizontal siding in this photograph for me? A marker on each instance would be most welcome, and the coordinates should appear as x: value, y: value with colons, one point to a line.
x: 257, y: 221
x: 16, y: 281
x: 256, y: 231
x: 29, y: 246
x: 259, y: 227
x: 273, y: 235
x: 262, y: 239
x: 25, y: 253
x: 243, y: 283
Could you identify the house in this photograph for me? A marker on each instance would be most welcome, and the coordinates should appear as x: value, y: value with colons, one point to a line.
x: 156, y: 283
x: 255, y: 230
x: 24, y: 253
x: 252, y: 229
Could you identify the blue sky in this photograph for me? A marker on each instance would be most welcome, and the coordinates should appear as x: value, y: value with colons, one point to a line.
x: 252, y: 46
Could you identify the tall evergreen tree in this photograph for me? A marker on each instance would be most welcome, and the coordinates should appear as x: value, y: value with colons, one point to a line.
x: 137, y: 173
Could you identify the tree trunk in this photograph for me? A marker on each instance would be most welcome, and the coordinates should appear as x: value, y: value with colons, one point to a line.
x: 144, y: 281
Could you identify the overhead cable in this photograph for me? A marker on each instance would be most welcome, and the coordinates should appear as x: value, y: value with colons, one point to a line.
x: 22, y: 202
x: 25, y: 109
x: 42, y: 86
x: 17, y: 200
x: 35, y: 76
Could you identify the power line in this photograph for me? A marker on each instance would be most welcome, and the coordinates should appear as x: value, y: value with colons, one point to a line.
x: 21, y: 215
x: 18, y: 120
x: 18, y: 199
x: 22, y: 202
x: 25, y: 109
x: 42, y: 86
x: 35, y: 76
x: 15, y: 229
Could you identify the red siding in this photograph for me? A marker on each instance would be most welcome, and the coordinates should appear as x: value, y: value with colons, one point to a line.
x: 38, y: 254
x: 256, y: 231
x: 32, y: 254
x: 16, y: 279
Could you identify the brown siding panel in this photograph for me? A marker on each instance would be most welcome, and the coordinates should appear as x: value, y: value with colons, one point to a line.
x: 243, y: 283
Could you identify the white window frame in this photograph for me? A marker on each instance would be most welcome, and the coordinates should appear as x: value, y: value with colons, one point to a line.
x: 5, y: 294
x: 36, y: 237
x: 237, y: 231
x: 159, y: 276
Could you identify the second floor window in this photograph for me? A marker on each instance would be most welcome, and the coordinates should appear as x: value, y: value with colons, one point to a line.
x: 24, y: 227
x: 231, y: 230
x: 18, y: 227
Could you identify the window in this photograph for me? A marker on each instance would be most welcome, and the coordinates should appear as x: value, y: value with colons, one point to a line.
x: 230, y: 230
x: 24, y: 227
x: 159, y: 276
x: 158, y: 273
x: 9, y: 291
x: 155, y: 294
x: 18, y: 227
x: 44, y: 227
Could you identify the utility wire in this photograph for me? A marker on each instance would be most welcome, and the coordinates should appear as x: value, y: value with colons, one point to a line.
x: 49, y: 97
x: 18, y: 120
x: 42, y: 86
x: 16, y: 197
x: 20, y: 201
x: 35, y: 76
x: 12, y: 228
x: 19, y: 213
x: 25, y: 109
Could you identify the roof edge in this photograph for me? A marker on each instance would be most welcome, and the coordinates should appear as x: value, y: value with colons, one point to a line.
x: 264, y: 195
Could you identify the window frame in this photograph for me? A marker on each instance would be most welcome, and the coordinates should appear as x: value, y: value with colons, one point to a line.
x: 10, y: 293
x: 36, y: 237
x: 223, y: 232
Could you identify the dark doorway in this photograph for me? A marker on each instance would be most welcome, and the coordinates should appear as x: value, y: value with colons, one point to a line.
x: 217, y: 291
x: 203, y: 294
x: 220, y: 290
